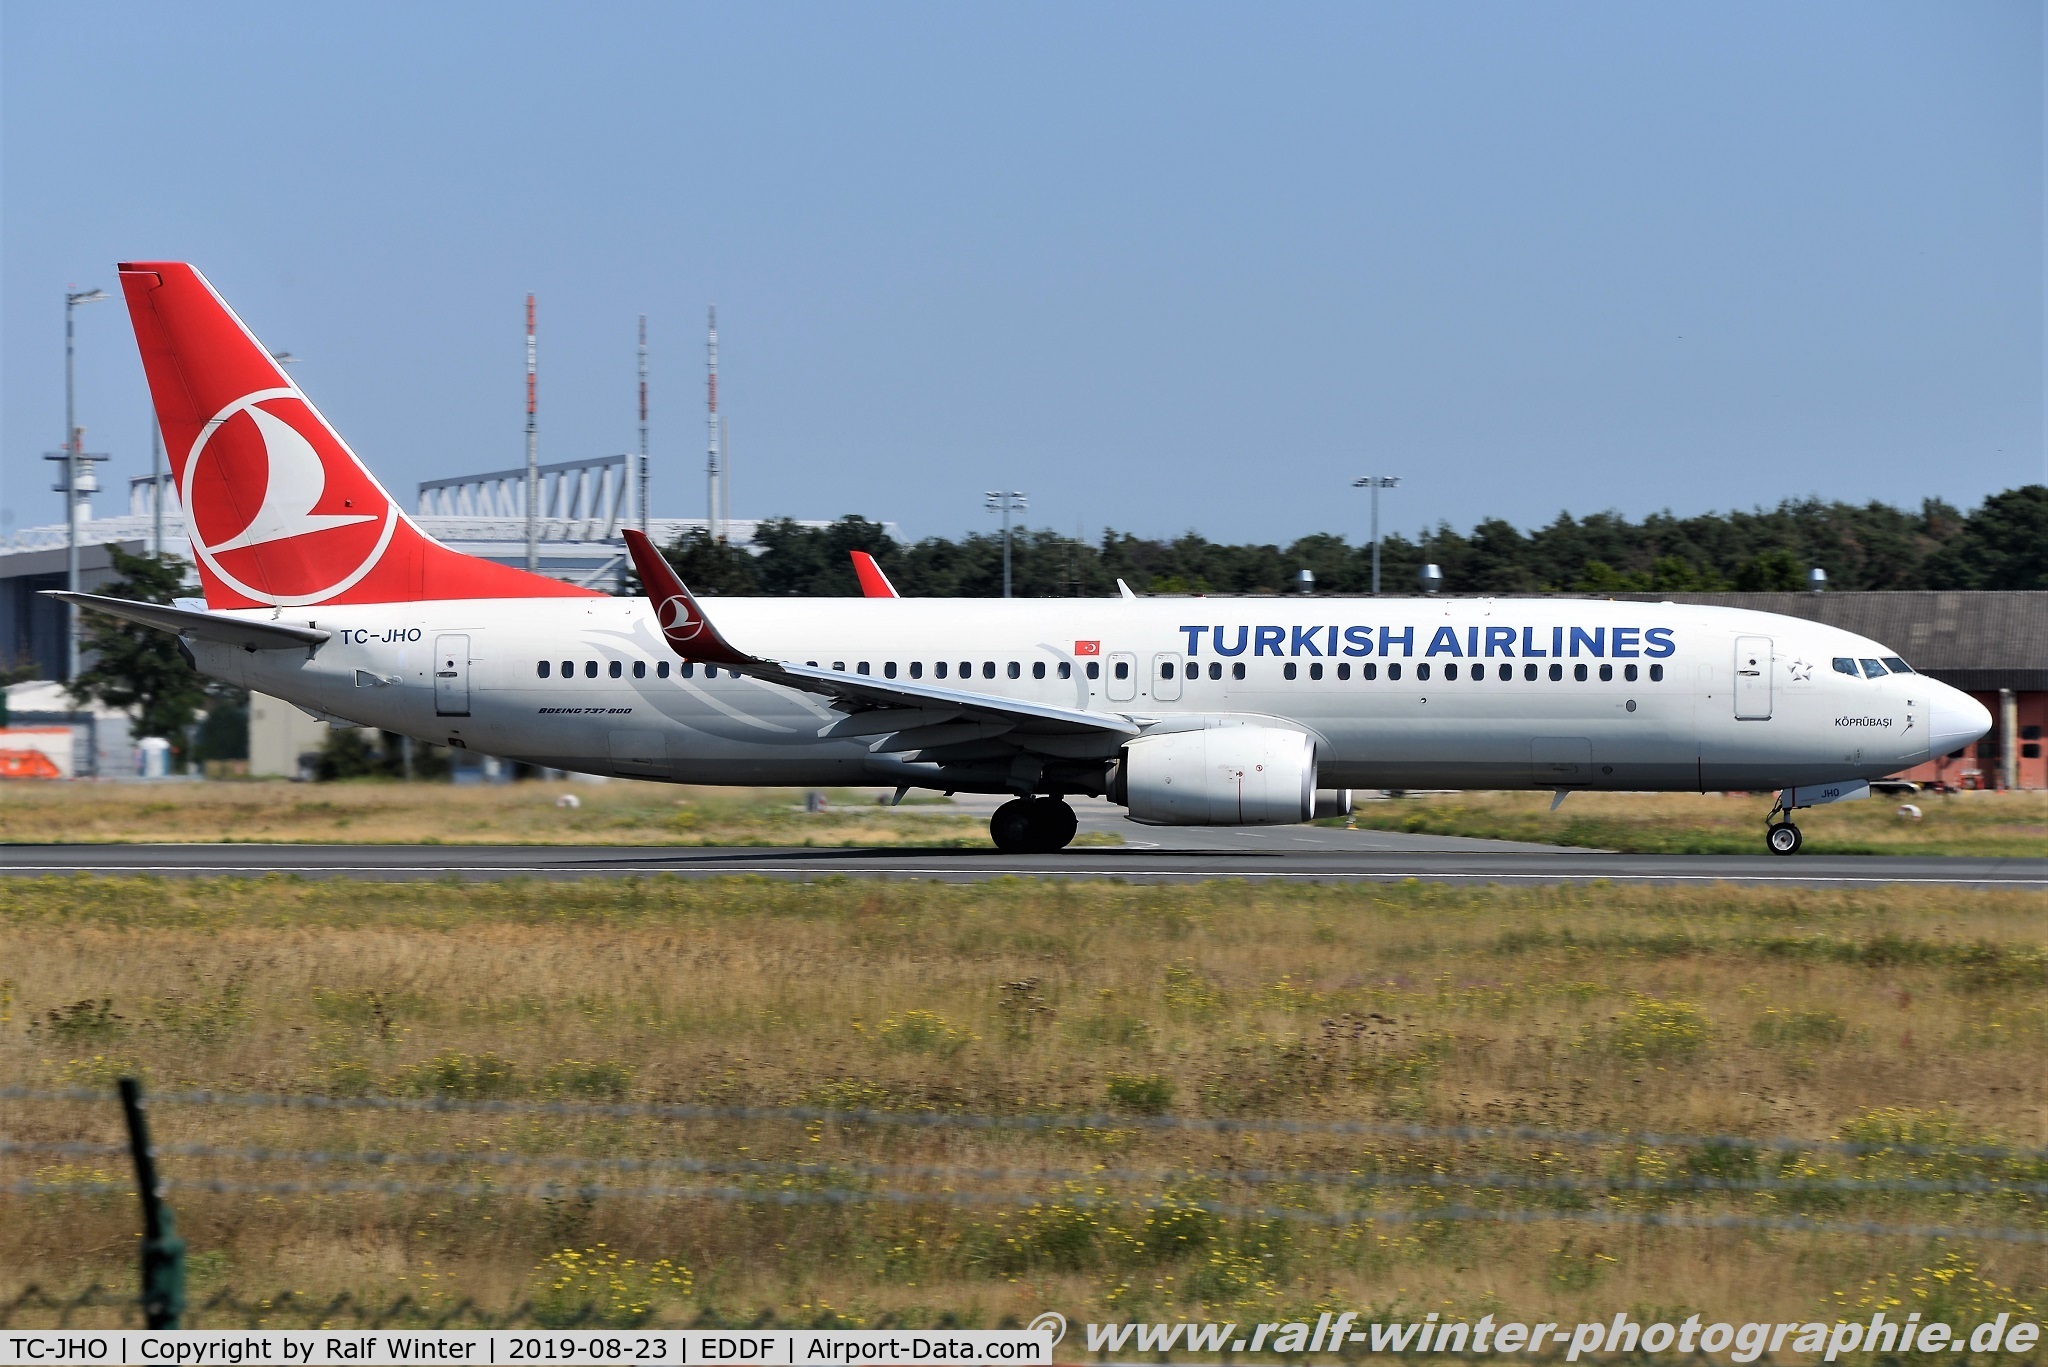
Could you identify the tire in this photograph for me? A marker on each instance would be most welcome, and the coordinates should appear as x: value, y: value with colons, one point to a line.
x: 1784, y: 838
x: 1012, y: 826
x: 1053, y: 825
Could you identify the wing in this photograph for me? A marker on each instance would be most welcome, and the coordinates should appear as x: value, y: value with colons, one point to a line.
x: 212, y: 626
x: 905, y: 715
x: 873, y: 583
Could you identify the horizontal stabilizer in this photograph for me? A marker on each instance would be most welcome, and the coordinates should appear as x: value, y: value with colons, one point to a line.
x: 211, y: 626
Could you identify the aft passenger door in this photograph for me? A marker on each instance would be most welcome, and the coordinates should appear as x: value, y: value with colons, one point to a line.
x: 451, y: 676
x: 1752, y: 678
x: 1166, y: 672
x: 1122, y: 684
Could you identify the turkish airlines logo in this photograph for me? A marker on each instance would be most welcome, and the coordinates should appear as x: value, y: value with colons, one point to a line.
x: 279, y: 509
x: 678, y: 622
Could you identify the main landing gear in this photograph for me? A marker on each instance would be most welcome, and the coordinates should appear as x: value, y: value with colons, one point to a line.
x: 1780, y: 835
x: 1032, y: 825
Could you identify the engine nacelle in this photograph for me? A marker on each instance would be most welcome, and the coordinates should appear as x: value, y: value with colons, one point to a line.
x: 1219, y: 776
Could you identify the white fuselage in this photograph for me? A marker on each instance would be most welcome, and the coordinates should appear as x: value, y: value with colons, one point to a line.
x: 1667, y: 699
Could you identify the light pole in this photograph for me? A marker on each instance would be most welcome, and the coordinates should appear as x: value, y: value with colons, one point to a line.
x: 73, y: 449
x: 1376, y: 483
x: 1006, y: 502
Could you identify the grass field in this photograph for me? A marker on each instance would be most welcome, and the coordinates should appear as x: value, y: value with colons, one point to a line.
x: 1888, y: 1016
x: 378, y: 812
x: 1711, y: 823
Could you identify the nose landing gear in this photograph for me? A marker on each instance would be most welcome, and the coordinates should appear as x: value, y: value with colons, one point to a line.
x: 1780, y: 835
x: 1032, y: 825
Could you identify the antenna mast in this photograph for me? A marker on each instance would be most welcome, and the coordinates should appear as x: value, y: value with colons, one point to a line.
x: 713, y: 527
x: 643, y: 424
x: 532, y: 451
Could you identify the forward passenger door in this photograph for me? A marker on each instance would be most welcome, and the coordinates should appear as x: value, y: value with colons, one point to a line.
x: 1752, y: 678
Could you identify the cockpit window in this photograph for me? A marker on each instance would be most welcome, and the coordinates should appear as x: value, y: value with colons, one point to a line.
x: 1874, y: 669
x: 1845, y: 665
x: 1897, y: 665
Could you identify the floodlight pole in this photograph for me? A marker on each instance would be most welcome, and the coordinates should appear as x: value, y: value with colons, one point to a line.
x: 73, y: 447
x: 1006, y: 502
x: 1376, y: 483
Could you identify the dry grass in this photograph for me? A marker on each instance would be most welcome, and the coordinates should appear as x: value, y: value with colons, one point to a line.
x: 1713, y: 823
x: 1876, y: 1013
x: 376, y: 812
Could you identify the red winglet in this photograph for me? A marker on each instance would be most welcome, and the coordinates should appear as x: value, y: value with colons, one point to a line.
x: 873, y: 583
x: 689, y: 633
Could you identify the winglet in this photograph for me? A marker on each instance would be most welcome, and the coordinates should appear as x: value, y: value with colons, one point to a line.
x: 873, y: 583
x: 1124, y: 590
x: 688, y: 632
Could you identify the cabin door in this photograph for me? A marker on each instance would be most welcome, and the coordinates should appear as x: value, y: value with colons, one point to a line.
x: 1753, y: 678
x: 451, y: 676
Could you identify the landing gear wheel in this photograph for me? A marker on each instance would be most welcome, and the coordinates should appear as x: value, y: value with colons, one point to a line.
x: 1032, y: 825
x: 1784, y: 838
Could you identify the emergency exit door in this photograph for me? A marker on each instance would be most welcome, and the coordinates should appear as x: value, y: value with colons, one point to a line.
x: 1753, y: 678
x: 1166, y: 673
x: 451, y: 676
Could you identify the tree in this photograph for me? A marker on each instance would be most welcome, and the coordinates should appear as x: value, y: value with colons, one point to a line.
x: 140, y: 670
x: 2002, y: 545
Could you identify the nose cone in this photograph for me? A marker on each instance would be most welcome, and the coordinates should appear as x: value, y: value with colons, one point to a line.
x: 1954, y: 719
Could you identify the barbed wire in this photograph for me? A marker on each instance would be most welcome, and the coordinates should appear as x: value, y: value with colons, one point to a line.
x: 844, y: 1196
x: 954, y: 1172
x: 970, y: 1120
x: 344, y: 1305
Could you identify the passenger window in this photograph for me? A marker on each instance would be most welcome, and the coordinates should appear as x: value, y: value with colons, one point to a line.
x: 1123, y: 669
x: 1478, y: 673
x: 839, y: 666
x: 1394, y: 672
x: 1315, y: 671
x: 1287, y: 670
x: 1215, y: 670
x: 1656, y: 673
x: 590, y: 669
x: 1579, y: 673
x: 568, y: 669
x: 1015, y: 670
x: 661, y: 670
x: 967, y: 669
x: 939, y: 670
x: 1450, y: 671
x: 545, y: 669
x: 1556, y: 673
x: 1874, y: 669
x: 1095, y: 669
x: 618, y: 669
x: 1166, y: 669
x: 1038, y: 669
x: 861, y: 668
x: 917, y: 669
x: 1343, y: 671
x: 687, y: 670
x: 1422, y: 673
x: 889, y: 669
x: 1845, y: 665
x: 639, y: 669
x: 1368, y: 672
x: 1066, y: 669
x: 1236, y: 670
x: 1897, y: 665
x: 1506, y: 672
x: 1606, y: 673
x: 710, y: 671
x: 988, y: 669
x: 1629, y: 673
x: 1529, y: 673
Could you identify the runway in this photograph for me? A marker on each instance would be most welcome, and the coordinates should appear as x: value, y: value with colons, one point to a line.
x: 1289, y: 854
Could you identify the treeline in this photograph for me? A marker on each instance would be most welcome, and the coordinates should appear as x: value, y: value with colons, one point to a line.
x: 2002, y: 544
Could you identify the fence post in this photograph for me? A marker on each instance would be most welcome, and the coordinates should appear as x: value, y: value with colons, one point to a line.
x: 163, y: 1252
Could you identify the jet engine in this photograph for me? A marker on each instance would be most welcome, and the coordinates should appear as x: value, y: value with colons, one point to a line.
x: 1219, y: 776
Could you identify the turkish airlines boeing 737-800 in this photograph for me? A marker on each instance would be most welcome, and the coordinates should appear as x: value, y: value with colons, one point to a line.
x: 1186, y: 711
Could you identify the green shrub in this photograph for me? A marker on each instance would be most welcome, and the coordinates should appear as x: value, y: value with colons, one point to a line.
x: 459, y: 1077
x: 1141, y: 1093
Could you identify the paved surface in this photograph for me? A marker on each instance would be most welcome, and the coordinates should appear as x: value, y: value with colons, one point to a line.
x: 1288, y: 853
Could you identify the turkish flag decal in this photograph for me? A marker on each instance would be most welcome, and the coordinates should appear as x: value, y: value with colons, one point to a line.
x: 1087, y: 647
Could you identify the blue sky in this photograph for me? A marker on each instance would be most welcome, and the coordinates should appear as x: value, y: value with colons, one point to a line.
x: 1162, y: 266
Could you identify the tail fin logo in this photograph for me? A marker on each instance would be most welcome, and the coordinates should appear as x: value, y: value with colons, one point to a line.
x: 321, y: 522
x: 678, y: 621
